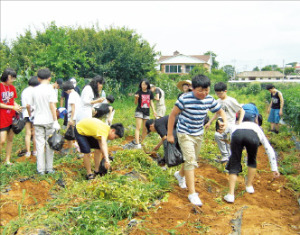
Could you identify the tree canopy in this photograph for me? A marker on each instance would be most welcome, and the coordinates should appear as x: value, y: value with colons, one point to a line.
x: 118, y: 53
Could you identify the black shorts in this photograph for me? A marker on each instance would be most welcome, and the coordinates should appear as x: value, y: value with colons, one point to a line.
x: 6, y: 128
x: 86, y: 143
x: 242, y: 138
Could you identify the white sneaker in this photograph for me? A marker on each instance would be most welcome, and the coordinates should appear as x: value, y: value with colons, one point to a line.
x: 181, y: 180
x: 34, y: 153
x: 28, y: 154
x: 229, y: 198
x: 194, y: 199
x: 137, y: 146
x: 250, y: 189
x: 224, y: 159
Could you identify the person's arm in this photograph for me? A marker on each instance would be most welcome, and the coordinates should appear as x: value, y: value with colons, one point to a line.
x: 241, y: 116
x: 71, y: 121
x: 110, y: 115
x: 99, y: 100
x: 222, y: 114
x: 103, y: 146
x: 153, y: 107
x: 207, y: 125
x: 160, y: 143
x: 53, y: 111
x: 156, y: 97
x: 270, y: 152
x: 269, y: 108
x: 15, y: 107
x: 175, y: 111
x: 61, y: 101
x: 281, y: 103
x: 136, y: 98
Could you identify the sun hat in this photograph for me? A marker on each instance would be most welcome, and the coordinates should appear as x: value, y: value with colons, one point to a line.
x: 73, y: 80
x: 184, y: 82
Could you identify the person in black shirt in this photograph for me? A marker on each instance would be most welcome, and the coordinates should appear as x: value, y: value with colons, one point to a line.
x: 161, y: 127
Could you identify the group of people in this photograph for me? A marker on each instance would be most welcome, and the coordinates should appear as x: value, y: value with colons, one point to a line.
x: 184, y: 125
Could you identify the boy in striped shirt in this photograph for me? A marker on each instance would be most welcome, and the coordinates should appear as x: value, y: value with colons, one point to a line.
x: 192, y: 108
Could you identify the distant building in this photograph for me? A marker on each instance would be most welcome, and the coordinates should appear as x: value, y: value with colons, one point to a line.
x: 183, y: 64
x: 264, y: 76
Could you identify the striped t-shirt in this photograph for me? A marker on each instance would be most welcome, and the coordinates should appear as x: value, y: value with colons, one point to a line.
x: 193, y: 112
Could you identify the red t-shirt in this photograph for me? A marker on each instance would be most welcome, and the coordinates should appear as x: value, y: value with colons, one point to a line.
x: 7, y: 96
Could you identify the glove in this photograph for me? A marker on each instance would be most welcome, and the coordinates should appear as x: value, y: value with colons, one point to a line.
x: 56, y: 125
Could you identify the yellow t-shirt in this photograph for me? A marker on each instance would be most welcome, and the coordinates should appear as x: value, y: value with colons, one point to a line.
x: 93, y: 127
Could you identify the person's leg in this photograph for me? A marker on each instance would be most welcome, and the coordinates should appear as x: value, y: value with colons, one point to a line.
x: 190, y: 180
x: 232, y: 181
x: 252, y: 142
x: 3, y: 136
x: 87, y: 163
x: 251, y: 175
x: 27, y: 138
x: 49, y: 151
x: 97, y: 159
x: 144, y: 130
x: 33, y: 140
x: 40, y: 133
x: 138, y: 122
x: 223, y: 146
x: 9, y: 144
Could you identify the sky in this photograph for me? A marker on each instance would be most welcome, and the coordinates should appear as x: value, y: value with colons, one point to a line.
x: 244, y: 34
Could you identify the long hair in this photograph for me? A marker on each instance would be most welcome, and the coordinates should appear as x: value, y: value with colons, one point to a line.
x: 94, y: 84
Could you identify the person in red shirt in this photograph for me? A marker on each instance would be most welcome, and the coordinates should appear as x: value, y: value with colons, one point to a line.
x: 8, y: 108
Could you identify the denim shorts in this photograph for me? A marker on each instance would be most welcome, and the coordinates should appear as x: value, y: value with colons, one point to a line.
x: 141, y: 115
x: 86, y: 143
x: 274, y: 116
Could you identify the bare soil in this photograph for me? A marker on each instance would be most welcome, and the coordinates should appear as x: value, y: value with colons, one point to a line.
x: 272, y: 209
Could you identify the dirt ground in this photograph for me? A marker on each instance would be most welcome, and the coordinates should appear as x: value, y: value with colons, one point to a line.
x: 272, y: 209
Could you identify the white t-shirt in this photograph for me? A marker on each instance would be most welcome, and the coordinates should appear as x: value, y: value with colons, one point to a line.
x: 230, y: 107
x: 262, y: 138
x: 74, y: 98
x: 26, y: 97
x: 42, y: 96
x: 87, y: 95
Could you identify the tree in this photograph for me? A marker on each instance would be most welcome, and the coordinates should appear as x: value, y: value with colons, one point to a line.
x: 229, y: 70
x: 4, y: 56
x: 289, y: 70
x: 215, y: 64
x: 273, y: 67
x: 256, y: 69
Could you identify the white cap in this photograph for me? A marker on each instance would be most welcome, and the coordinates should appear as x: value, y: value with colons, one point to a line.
x: 73, y: 80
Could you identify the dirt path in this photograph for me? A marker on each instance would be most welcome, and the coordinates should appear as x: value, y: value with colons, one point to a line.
x: 272, y: 209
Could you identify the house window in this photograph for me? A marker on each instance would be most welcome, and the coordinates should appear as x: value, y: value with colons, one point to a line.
x: 173, y: 68
x: 189, y: 68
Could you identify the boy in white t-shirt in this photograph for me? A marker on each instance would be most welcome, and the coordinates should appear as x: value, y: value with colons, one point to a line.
x: 45, y: 121
x: 26, y: 96
x: 74, y: 104
x: 231, y: 107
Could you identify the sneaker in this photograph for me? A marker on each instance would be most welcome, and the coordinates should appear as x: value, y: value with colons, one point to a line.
x: 41, y: 172
x: 34, y: 153
x: 50, y: 172
x: 194, y: 199
x: 8, y: 163
x: 181, y: 180
x: 133, y: 145
x: 224, y: 159
x: 28, y: 154
x: 229, y: 198
x: 250, y: 189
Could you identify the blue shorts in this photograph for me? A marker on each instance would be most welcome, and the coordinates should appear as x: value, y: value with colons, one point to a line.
x: 274, y: 116
x: 86, y: 143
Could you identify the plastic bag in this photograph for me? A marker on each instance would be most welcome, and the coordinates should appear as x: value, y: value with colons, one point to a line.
x: 56, y: 141
x: 173, y: 157
x: 18, y: 124
x: 70, y: 133
x: 102, y: 169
